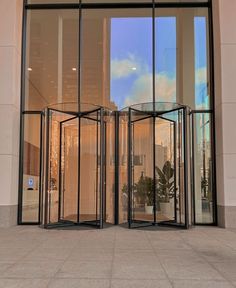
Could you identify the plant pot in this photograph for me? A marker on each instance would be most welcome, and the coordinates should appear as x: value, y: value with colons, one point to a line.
x: 167, y: 209
x: 148, y: 209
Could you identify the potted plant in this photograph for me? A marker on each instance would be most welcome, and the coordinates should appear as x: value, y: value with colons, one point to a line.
x: 165, y: 188
x: 144, y: 193
x: 149, y: 195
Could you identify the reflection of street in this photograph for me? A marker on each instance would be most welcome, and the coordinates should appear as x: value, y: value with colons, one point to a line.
x: 203, y: 169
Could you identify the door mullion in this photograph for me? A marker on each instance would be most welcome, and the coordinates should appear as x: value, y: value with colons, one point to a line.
x: 60, y: 172
x: 79, y: 163
x: 154, y: 171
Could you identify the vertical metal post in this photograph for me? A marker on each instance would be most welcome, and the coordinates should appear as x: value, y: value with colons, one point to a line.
x: 129, y: 152
x: 153, y: 53
x: 79, y: 163
x: 97, y: 164
x: 117, y: 168
x: 47, y: 164
x: 154, y: 170
x: 175, y: 167
x: 180, y: 123
x: 193, y: 169
x: 102, y: 167
x: 104, y: 171
x: 213, y: 117
x: 79, y: 56
x: 40, y: 166
x: 59, y: 173
x: 185, y: 132
x: 154, y: 100
x: 79, y: 106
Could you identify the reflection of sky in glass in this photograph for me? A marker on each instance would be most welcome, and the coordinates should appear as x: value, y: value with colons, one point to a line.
x: 201, y: 89
x: 166, y: 51
x: 131, y: 60
x: 202, y: 128
x: 201, y: 93
x: 166, y: 45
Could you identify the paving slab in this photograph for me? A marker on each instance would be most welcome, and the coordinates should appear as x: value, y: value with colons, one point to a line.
x: 117, y: 257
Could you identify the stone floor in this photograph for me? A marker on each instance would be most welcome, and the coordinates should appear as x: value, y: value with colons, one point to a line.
x: 117, y: 257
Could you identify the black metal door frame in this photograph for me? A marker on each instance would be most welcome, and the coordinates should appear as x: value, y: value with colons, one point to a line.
x: 160, y: 115
x: 100, y: 193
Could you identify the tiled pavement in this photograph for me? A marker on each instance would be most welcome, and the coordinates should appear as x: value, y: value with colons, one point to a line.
x: 116, y: 257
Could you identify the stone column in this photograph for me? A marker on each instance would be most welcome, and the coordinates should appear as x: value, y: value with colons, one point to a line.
x: 225, y: 105
x: 10, y: 68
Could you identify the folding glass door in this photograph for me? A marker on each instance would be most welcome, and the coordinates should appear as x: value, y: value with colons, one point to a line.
x: 157, y: 166
x: 74, y: 168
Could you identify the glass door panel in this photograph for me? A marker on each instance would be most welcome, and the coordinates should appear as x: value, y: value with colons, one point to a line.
x: 69, y: 170
x: 165, y: 169
x: 110, y: 169
x: 142, y: 170
x: 55, y: 178
x: 157, y: 167
x: 203, y: 184
x: 74, y: 167
x: 172, y: 172
x: 89, y: 169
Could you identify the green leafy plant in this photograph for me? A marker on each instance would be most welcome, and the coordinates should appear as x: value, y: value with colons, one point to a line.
x: 165, y: 182
x: 144, y: 190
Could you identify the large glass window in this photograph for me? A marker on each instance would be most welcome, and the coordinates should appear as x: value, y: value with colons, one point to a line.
x: 182, y: 56
x: 51, y: 58
x: 203, y: 184
x: 117, y: 60
x: 202, y: 83
x: 31, y: 168
x: 165, y: 58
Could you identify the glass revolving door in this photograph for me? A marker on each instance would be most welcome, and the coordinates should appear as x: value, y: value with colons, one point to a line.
x: 73, y: 167
x: 157, y: 165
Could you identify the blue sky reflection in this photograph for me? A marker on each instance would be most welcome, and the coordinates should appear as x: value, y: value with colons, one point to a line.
x: 131, y: 60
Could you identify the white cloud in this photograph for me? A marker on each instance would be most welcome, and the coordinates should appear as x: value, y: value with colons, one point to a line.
x: 165, y: 88
x: 142, y: 89
x: 125, y: 67
x: 201, y: 76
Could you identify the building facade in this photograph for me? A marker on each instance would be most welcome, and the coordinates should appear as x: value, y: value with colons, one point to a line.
x: 116, y: 112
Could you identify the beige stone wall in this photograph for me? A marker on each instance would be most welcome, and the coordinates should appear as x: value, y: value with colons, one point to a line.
x: 225, y: 80
x: 10, y: 63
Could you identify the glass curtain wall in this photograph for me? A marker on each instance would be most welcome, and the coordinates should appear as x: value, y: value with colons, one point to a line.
x: 31, y: 167
x: 117, y: 57
x: 182, y: 75
x: 116, y: 62
x: 51, y: 64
